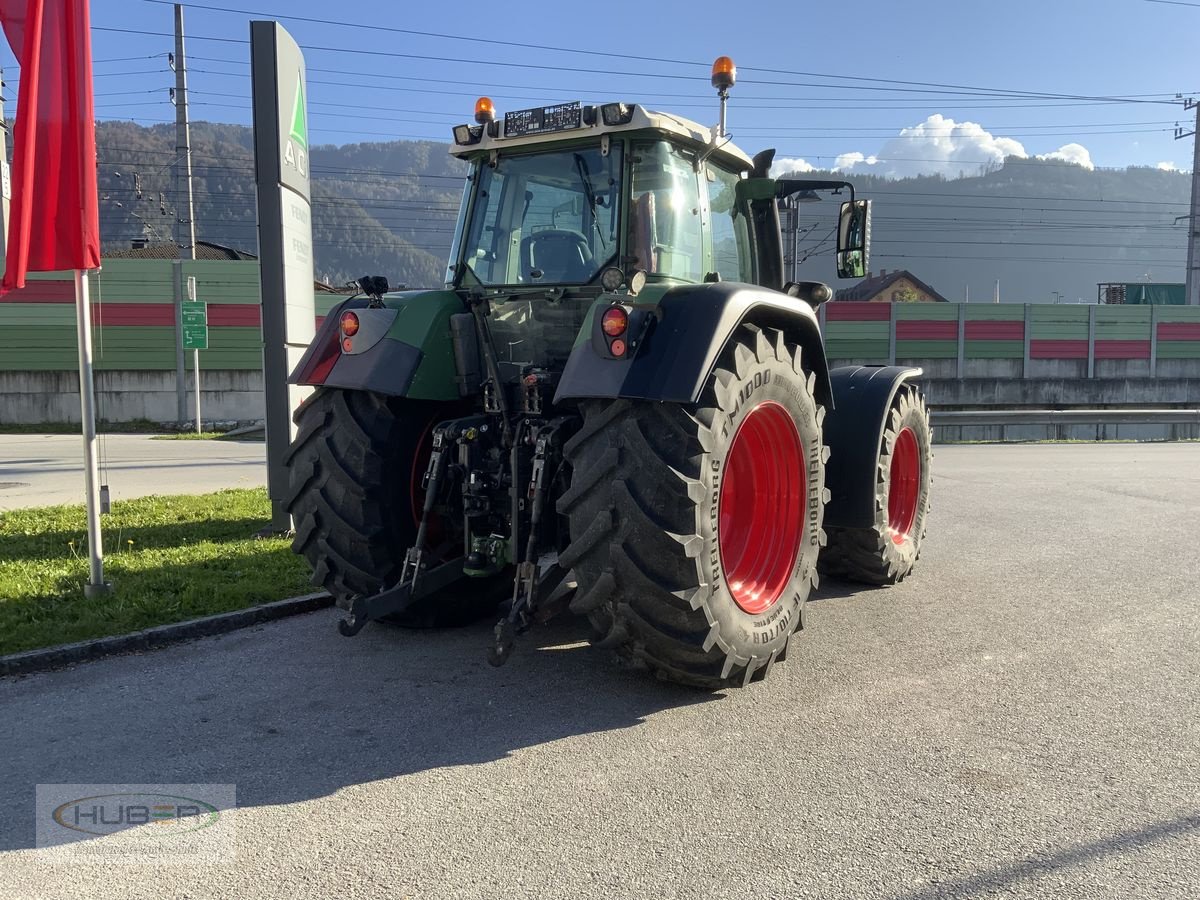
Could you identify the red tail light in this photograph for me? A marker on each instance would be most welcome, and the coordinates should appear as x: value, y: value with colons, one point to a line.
x: 349, y: 324
x: 614, y: 321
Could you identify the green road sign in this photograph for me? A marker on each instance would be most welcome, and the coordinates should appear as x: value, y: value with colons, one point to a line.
x: 195, y: 325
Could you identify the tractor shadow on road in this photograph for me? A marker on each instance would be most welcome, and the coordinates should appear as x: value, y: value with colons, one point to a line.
x: 836, y: 589
x: 292, y: 711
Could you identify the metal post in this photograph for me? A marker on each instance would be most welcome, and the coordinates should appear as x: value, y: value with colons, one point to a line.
x: 962, y: 340
x: 1028, y: 339
x: 1154, y: 340
x: 723, y: 93
x: 196, y: 378
x: 183, y: 146
x: 96, y: 586
x: 1193, y: 260
x: 892, y: 334
x: 180, y: 356
x: 186, y: 221
x: 1091, y: 342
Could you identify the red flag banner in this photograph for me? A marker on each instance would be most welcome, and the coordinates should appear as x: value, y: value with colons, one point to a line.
x: 54, y: 219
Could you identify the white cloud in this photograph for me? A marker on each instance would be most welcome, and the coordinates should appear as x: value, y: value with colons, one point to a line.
x: 848, y: 161
x: 1167, y: 167
x: 942, y: 146
x: 787, y: 166
x: 1072, y: 153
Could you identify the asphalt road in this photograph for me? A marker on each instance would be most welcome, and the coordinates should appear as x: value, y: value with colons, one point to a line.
x: 47, y: 469
x: 1021, y: 718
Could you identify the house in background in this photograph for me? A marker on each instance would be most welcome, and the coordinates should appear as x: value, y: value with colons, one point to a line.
x: 900, y: 286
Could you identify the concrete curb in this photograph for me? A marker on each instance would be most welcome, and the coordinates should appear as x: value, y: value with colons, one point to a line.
x: 62, y: 655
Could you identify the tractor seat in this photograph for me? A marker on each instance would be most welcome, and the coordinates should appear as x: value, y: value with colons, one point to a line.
x: 559, y: 256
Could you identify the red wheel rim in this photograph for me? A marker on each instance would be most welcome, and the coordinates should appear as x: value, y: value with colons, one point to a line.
x: 904, y: 486
x: 761, y: 506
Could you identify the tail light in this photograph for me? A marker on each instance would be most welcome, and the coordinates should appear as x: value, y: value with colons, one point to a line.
x: 615, y: 321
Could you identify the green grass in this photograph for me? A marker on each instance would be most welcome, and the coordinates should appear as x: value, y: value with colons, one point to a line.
x: 169, y: 559
x: 189, y: 436
x: 210, y: 436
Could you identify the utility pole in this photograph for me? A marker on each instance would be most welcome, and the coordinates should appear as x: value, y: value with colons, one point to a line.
x: 1193, y: 258
x: 185, y: 219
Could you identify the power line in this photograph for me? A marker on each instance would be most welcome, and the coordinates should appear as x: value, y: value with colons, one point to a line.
x: 911, y: 86
x: 361, y: 51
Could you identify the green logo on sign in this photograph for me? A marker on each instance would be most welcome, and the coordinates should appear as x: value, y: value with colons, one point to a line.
x: 299, y: 132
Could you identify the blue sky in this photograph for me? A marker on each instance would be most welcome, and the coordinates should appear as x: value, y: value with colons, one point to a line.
x: 1071, y: 48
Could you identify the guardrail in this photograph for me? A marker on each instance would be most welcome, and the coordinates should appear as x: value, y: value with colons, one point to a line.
x: 1065, y: 417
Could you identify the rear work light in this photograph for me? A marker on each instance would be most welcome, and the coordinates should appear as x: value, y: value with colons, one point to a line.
x: 615, y: 321
x: 616, y: 113
x: 465, y: 135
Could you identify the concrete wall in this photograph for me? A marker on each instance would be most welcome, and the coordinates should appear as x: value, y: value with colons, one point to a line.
x: 235, y: 395
x: 30, y: 398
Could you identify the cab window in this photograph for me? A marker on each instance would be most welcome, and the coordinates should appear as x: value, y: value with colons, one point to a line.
x: 665, y: 235
x: 729, y: 231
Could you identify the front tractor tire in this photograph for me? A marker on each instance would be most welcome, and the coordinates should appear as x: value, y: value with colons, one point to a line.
x: 695, y: 529
x: 886, y: 552
x: 354, y: 494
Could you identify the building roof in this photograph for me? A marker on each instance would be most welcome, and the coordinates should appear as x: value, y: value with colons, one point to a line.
x: 169, y: 250
x: 873, y: 285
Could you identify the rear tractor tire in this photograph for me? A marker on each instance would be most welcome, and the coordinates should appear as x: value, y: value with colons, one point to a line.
x: 886, y: 552
x: 355, y: 496
x: 695, y: 529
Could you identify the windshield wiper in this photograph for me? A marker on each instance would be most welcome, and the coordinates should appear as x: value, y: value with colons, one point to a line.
x: 585, y: 177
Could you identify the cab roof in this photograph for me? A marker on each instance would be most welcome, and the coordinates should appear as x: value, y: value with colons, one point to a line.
x: 640, y: 120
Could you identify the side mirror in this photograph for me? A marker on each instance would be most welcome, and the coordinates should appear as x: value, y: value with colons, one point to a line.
x: 853, y: 238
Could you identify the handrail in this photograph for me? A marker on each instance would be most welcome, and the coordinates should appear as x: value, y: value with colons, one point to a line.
x: 1065, y: 417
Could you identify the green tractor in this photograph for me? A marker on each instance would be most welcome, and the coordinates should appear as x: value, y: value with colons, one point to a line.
x: 616, y: 405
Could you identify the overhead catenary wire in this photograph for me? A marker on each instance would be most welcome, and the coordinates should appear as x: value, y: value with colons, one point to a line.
x: 911, y: 86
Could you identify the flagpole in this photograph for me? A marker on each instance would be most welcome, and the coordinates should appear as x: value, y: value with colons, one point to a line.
x: 96, y: 585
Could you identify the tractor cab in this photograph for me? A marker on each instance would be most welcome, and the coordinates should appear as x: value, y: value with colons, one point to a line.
x: 581, y: 196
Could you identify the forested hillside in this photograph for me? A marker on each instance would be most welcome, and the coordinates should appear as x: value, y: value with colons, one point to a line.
x: 384, y: 208
x: 1038, y: 227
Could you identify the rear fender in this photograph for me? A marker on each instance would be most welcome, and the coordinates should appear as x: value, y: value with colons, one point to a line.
x: 403, y: 349
x: 683, y: 337
x: 854, y: 434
